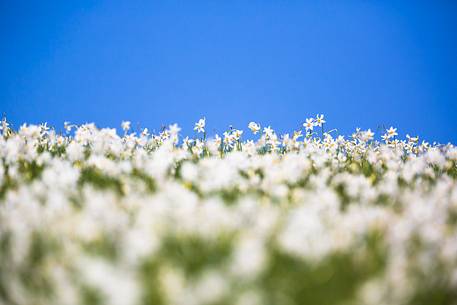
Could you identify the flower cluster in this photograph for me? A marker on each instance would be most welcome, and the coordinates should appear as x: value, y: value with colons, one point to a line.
x: 93, y: 217
x: 310, y: 123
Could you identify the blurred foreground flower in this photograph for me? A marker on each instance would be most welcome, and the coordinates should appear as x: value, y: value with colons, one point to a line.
x: 94, y: 217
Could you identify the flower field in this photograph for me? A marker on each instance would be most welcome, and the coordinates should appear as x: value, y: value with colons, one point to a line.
x: 94, y: 216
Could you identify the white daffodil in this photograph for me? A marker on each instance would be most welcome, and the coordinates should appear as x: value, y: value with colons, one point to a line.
x: 145, y: 132
x: 174, y: 129
x: 367, y: 135
x: 4, y: 124
x: 125, y: 125
x: 309, y: 124
x: 319, y: 120
x: 67, y: 126
x: 237, y: 134
x: 200, y: 125
x: 391, y: 132
x: 268, y: 131
x: 297, y: 135
x: 412, y: 139
x: 228, y: 139
x: 254, y: 127
x: 187, y: 142
x: 217, y: 140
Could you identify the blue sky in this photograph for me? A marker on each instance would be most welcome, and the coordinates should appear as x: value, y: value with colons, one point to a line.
x: 361, y: 63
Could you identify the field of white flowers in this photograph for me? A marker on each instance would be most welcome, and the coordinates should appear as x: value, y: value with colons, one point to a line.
x: 90, y: 216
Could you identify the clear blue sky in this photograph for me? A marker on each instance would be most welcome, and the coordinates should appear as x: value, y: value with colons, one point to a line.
x: 361, y: 63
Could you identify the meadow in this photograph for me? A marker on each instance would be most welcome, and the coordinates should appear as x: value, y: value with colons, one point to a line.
x: 97, y: 216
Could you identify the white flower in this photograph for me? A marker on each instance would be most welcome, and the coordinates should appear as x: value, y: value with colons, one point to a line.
x: 217, y: 140
x: 249, y: 257
x: 391, y: 132
x: 75, y: 151
x: 412, y: 139
x: 228, y: 138
x: 309, y: 124
x: 237, y: 134
x: 186, y: 142
x: 125, y: 125
x: 4, y: 125
x: 254, y: 127
x: 249, y: 147
x: 369, y: 135
x: 189, y: 171
x: 200, y: 125
x: 210, y: 287
x: 145, y: 132
x: 268, y: 131
x: 320, y: 120
x: 297, y: 135
x: 67, y: 126
x: 174, y: 129
x: 365, y: 135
